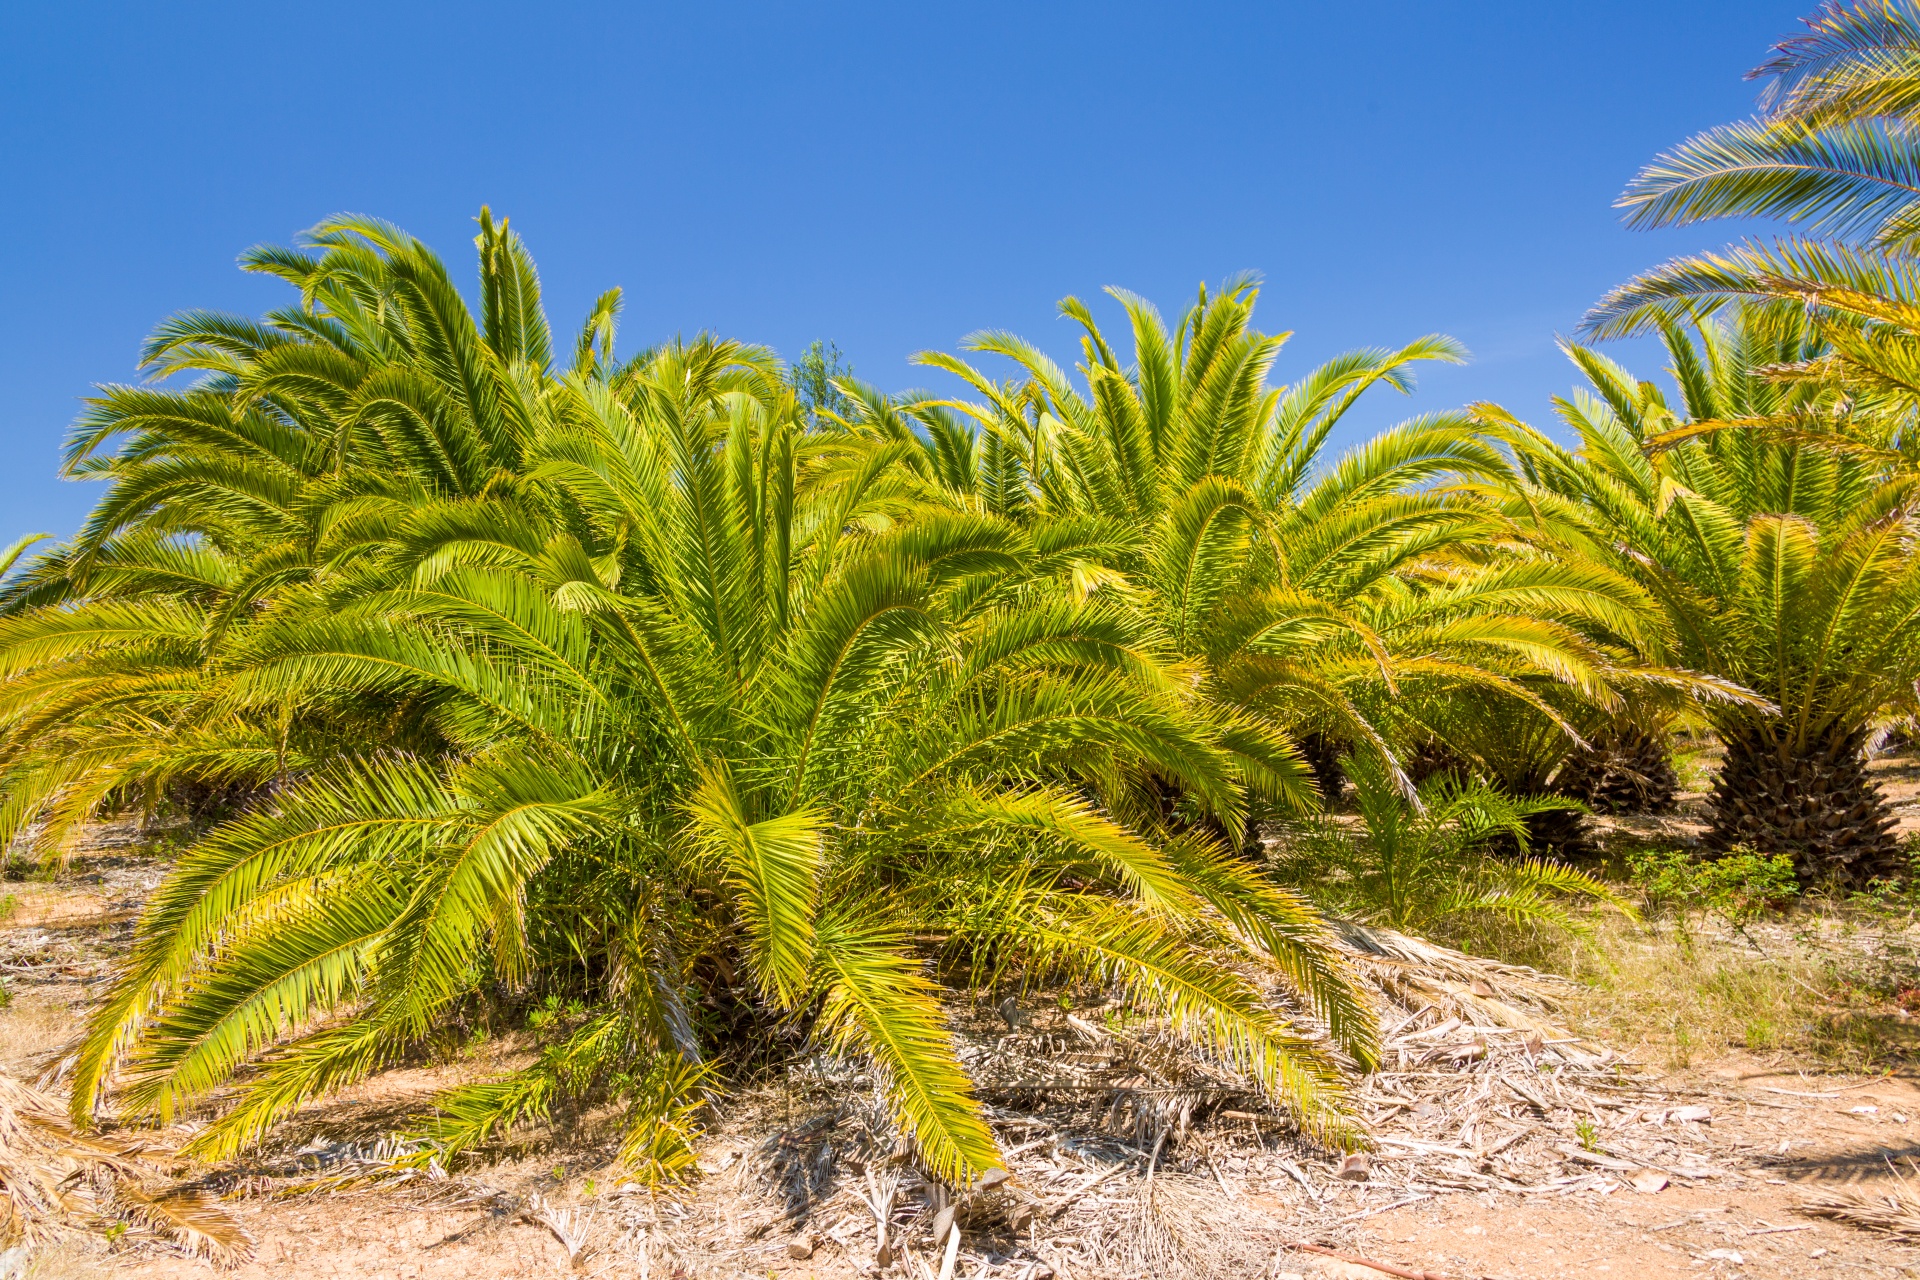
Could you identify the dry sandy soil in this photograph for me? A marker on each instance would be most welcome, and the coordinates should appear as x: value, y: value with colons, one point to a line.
x: 1226, y: 1201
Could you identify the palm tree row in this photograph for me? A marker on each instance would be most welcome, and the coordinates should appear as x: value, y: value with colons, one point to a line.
x: 743, y: 718
x: 757, y: 719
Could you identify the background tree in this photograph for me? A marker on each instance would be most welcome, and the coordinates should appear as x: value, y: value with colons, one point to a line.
x: 815, y: 377
x: 1783, y: 567
x: 1331, y: 596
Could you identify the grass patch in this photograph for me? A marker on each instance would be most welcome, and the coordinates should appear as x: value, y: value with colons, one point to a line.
x: 1731, y: 956
x: 1814, y: 985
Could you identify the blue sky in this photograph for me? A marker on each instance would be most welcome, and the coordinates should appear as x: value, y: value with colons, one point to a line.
x: 889, y: 177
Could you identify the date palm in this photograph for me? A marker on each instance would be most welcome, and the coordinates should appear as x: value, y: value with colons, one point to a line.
x: 627, y: 674
x: 325, y: 446
x: 1782, y: 566
x: 1316, y: 593
x: 1835, y: 150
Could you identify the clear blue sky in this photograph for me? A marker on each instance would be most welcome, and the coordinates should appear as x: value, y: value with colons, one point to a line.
x: 887, y: 176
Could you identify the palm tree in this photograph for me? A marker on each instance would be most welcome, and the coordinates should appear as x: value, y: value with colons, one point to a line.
x: 1835, y: 149
x: 1782, y: 566
x: 326, y: 446
x: 629, y: 684
x: 1834, y: 145
x: 1325, y: 596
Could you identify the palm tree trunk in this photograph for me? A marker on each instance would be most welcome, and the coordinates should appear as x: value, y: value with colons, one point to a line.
x: 1626, y: 769
x: 1815, y: 803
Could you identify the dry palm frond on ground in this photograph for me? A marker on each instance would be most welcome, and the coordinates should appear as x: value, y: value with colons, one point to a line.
x: 1129, y: 1153
x: 1895, y: 1210
x: 56, y: 1183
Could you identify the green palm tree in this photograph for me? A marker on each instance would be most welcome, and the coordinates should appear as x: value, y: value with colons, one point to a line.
x: 1322, y: 595
x: 325, y: 447
x: 1835, y: 150
x: 629, y: 684
x: 1782, y: 566
x: 1834, y: 146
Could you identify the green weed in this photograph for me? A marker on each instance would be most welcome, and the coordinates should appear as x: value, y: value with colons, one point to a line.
x: 1588, y: 1133
x: 1740, y: 887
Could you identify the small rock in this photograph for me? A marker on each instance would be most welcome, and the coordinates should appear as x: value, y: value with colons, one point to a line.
x: 1354, y: 1168
x: 942, y: 1223
x: 1863, y: 1111
x: 1648, y: 1181
x: 1690, y: 1115
x: 1725, y: 1255
x: 991, y: 1179
x: 801, y: 1246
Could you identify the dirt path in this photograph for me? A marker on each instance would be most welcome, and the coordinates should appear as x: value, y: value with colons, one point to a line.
x: 1729, y: 1209
x: 1786, y: 1141
x: 1741, y: 1223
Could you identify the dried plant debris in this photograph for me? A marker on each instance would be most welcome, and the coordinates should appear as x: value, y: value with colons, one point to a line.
x: 1129, y: 1154
x: 56, y: 1184
x: 1894, y: 1210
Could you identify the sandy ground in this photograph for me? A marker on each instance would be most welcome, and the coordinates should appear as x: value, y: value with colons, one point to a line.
x: 1742, y: 1224
x: 1774, y: 1133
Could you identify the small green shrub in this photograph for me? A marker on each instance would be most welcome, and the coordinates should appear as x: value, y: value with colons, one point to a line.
x: 1740, y: 887
x: 1441, y: 868
x: 1891, y: 896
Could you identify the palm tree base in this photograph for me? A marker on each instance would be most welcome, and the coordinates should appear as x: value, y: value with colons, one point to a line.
x: 1561, y: 833
x: 1628, y: 771
x: 1819, y: 806
x: 1323, y: 754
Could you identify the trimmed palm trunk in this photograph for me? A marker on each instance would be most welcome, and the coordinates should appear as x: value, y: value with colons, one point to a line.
x: 1811, y: 799
x: 1624, y: 770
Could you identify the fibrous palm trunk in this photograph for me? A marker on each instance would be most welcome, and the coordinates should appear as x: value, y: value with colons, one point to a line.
x: 1816, y: 803
x: 1624, y: 770
x: 1323, y: 754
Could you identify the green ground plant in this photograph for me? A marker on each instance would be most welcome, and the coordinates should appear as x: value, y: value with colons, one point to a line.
x: 1825, y: 986
x: 1740, y: 887
x: 1430, y: 865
